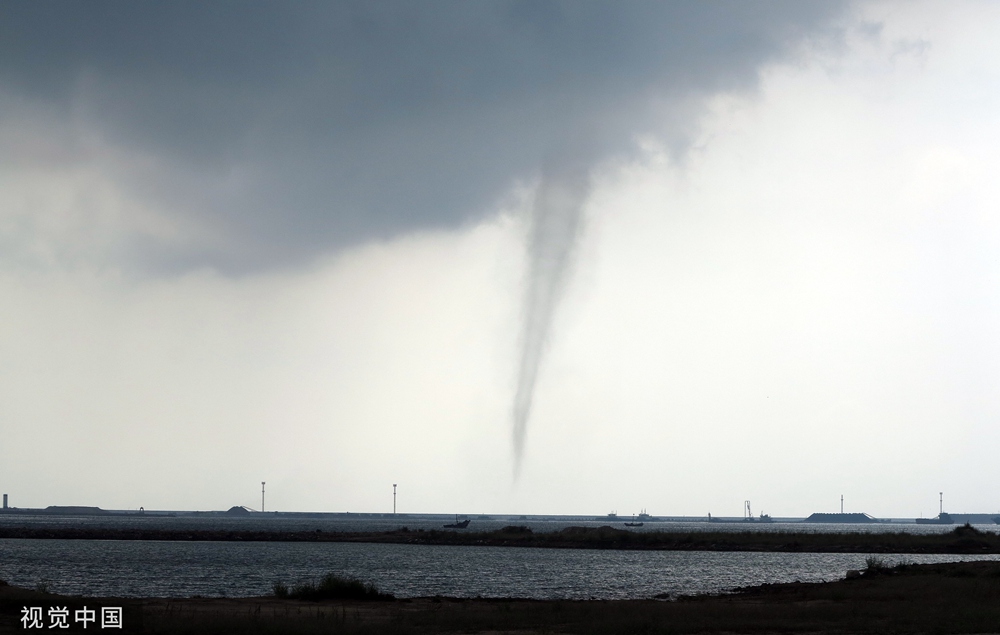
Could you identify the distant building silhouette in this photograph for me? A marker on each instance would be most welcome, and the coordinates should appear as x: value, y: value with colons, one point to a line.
x: 840, y: 518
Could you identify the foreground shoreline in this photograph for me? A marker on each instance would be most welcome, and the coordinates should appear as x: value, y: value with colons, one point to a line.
x: 942, y: 598
x: 962, y: 540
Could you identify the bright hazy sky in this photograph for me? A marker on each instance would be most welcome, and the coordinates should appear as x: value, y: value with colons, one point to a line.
x: 288, y: 243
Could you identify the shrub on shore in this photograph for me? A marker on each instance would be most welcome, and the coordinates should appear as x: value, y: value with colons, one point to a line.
x: 875, y: 565
x: 332, y: 587
x: 966, y: 530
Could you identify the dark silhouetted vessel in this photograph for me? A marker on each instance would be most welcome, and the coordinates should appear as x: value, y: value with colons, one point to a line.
x: 643, y: 516
x: 457, y: 524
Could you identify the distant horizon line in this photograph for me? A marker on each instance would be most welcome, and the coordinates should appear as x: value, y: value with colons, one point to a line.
x: 85, y: 510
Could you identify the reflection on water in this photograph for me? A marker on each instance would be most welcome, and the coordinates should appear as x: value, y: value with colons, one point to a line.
x: 180, y: 569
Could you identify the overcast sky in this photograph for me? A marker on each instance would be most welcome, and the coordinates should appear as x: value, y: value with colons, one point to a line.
x: 245, y: 242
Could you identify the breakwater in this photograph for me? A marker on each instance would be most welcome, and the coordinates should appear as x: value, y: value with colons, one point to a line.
x: 962, y: 540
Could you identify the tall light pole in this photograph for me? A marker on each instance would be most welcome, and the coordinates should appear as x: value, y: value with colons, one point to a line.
x: 941, y: 503
x: 393, y: 499
x: 262, y: 497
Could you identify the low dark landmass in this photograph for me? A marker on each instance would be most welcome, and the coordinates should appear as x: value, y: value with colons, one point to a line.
x: 937, y: 598
x: 962, y: 540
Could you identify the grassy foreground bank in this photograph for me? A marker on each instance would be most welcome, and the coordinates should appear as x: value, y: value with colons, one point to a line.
x: 938, y: 598
x: 962, y: 540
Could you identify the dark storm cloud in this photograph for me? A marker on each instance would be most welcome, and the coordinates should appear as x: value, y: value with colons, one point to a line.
x: 354, y: 120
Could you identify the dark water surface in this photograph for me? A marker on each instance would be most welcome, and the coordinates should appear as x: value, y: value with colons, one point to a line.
x: 106, y: 568
x: 186, y: 568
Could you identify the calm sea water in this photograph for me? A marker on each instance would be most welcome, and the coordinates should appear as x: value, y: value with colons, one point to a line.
x: 108, y: 568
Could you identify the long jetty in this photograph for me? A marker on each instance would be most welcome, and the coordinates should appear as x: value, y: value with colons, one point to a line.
x: 961, y: 540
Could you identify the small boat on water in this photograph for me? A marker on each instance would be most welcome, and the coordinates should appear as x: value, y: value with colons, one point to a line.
x: 748, y: 515
x: 458, y: 525
x: 639, y: 523
x: 944, y: 518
